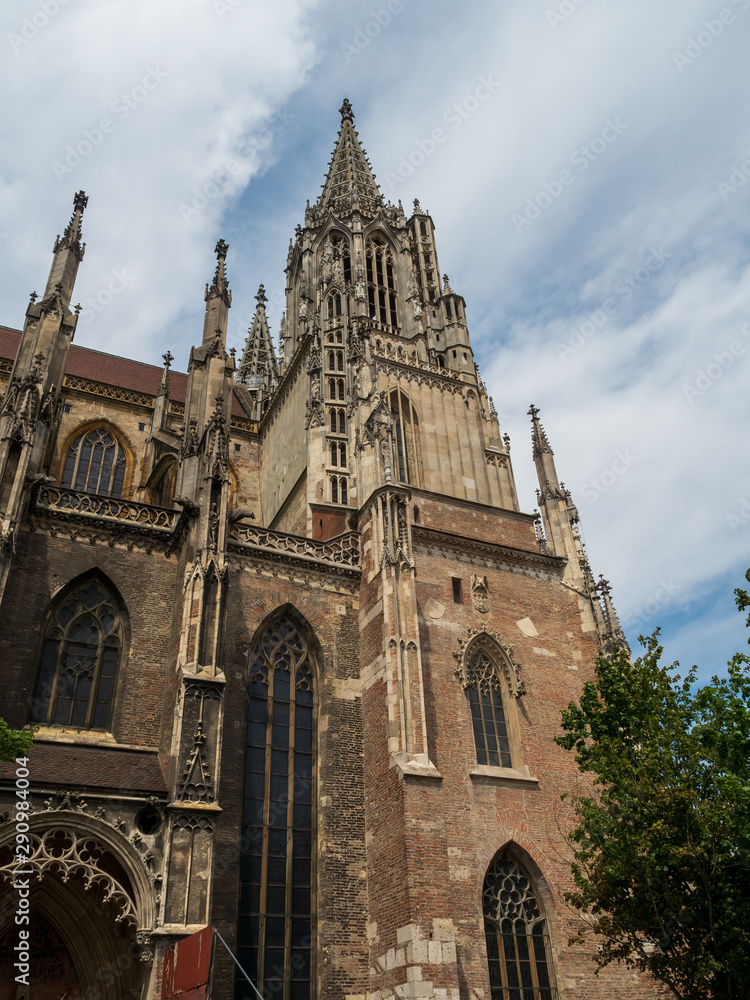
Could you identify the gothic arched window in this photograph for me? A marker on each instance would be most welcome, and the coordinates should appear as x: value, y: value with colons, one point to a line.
x: 381, y: 283
x: 516, y: 934
x: 405, y: 439
x: 485, y: 692
x: 80, y: 657
x: 95, y: 463
x: 275, y: 925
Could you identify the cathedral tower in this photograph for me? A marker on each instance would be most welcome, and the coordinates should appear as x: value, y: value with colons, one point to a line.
x: 295, y: 652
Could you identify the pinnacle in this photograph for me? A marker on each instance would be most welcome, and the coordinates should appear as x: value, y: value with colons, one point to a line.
x: 538, y: 434
x: 220, y: 285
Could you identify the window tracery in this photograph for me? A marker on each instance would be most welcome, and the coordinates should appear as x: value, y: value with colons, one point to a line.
x: 488, y: 674
x: 381, y: 283
x: 95, y: 463
x: 516, y: 935
x: 80, y: 658
x: 405, y: 439
x: 276, y: 909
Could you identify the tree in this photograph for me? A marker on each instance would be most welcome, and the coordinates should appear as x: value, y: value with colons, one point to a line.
x: 14, y: 742
x: 661, y: 845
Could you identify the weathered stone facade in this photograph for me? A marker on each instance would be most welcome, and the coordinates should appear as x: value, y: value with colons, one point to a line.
x: 316, y: 563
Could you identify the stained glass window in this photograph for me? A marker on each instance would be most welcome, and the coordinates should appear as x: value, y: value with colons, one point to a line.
x: 277, y: 901
x: 80, y: 656
x: 516, y: 935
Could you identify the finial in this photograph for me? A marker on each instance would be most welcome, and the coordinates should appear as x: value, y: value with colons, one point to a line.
x: 80, y: 201
x: 221, y: 249
x: 346, y: 111
x: 77, y: 308
x: 232, y: 351
x: 417, y: 206
x: 168, y: 359
x: 534, y: 411
x: 33, y: 297
x: 260, y: 297
x: 447, y: 284
x: 603, y: 586
x: 39, y: 358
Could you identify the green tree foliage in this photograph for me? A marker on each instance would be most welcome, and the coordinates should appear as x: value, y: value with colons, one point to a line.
x: 662, y: 837
x: 14, y: 742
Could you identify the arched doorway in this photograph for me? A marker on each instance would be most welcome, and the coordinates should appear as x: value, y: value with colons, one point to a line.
x: 90, y: 909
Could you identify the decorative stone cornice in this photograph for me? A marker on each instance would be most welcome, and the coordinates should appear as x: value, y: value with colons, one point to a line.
x: 489, y: 553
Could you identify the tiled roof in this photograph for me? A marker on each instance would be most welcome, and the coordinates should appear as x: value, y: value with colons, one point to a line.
x: 83, y: 767
x: 85, y: 362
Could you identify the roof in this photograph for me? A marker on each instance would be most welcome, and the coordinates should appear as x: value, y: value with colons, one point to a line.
x: 82, y: 767
x: 84, y: 362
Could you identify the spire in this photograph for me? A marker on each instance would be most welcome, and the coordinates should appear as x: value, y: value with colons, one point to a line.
x: 258, y: 358
x: 220, y: 285
x: 218, y: 299
x: 350, y: 182
x: 541, y: 445
x: 614, y: 629
x: 68, y: 250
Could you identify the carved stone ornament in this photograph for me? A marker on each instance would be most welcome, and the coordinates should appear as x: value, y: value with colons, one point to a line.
x: 480, y: 594
x: 501, y: 656
x: 67, y: 852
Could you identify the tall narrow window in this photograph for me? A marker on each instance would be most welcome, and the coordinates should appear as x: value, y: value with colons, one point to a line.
x: 516, y: 935
x: 484, y: 691
x: 276, y: 910
x: 80, y: 657
x: 381, y: 283
x: 95, y: 463
x: 405, y: 438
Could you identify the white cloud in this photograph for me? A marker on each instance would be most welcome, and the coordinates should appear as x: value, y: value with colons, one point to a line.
x: 653, y: 186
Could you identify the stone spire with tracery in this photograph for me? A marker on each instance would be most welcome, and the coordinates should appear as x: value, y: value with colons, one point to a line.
x: 350, y: 183
x: 258, y: 361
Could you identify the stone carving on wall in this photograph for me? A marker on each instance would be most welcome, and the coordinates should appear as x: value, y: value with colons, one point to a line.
x: 480, y: 594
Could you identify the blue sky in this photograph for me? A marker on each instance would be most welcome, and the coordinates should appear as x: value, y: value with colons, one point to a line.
x: 590, y: 189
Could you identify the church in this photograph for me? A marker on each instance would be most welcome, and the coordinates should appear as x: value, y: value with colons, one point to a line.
x: 296, y: 656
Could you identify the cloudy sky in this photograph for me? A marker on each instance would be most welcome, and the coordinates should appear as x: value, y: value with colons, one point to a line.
x: 590, y: 186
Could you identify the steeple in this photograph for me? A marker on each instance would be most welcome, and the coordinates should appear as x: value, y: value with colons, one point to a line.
x: 68, y: 251
x: 218, y: 299
x: 350, y: 183
x: 258, y: 358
